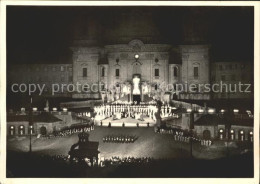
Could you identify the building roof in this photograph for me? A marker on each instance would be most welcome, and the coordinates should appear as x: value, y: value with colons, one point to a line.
x: 243, y: 122
x: 43, y: 117
x: 210, y: 119
x: 215, y: 119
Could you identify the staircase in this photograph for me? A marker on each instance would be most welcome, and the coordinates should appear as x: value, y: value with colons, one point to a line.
x: 125, y: 98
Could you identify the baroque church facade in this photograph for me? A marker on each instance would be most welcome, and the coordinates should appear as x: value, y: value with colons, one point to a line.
x: 157, y: 65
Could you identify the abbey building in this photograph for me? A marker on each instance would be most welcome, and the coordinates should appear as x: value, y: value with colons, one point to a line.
x: 155, y: 64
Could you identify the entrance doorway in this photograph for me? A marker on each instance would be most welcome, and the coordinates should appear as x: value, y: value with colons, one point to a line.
x: 137, y: 98
x: 43, y: 130
x: 206, y: 134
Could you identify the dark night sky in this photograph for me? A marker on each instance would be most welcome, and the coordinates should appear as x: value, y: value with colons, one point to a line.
x: 44, y: 34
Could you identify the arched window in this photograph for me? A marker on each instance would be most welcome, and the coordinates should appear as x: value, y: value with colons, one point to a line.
x: 117, y: 72
x: 221, y: 133
x: 241, y: 135
x: 175, y: 71
x: 156, y: 87
x: 156, y: 72
x: 30, y: 129
x: 103, y: 72
x: 11, y: 130
x: 21, y: 130
x: 43, y: 130
x: 196, y: 70
x: 84, y: 72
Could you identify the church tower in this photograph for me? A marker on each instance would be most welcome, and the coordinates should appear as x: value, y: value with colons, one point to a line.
x: 195, y: 57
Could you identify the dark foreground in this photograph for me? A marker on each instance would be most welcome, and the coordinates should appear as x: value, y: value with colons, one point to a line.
x: 22, y: 165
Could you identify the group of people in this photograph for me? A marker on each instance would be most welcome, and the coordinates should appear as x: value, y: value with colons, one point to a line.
x: 205, y: 142
x: 69, y: 131
x: 126, y: 160
x: 124, y: 111
x: 183, y: 136
x: 119, y: 139
x: 134, y: 115
x: 62, y: 158
x: 74, y: 130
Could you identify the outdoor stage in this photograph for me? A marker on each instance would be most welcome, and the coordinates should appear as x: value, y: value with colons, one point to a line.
x: 129, y: 122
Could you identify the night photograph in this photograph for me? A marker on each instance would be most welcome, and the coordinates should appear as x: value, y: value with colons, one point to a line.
x: 129, y: 91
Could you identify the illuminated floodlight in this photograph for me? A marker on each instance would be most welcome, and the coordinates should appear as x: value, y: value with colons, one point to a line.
x: 241, y: 132
x: 65, y: 109
x: 222, y: 110
x: 35, y: 109
x: 221, y: 131
x: 136, y: 56
x: 231, y: 131
x: 54, y: 109
x: 189, y: 110
x: 211, y: 110
x: 251, y: 133
x: 201, y: 110
x: 236, y: 110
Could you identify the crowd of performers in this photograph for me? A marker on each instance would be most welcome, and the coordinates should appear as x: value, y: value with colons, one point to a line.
x: 183, y: 136
x: 126, y: 160
x: 114, y: 160
x: 56, y: 157
x: 134, y: 111
x: 70, y: 130
x: 119, y: 139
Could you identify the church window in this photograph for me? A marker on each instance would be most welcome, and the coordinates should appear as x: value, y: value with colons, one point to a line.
x: 85, y: 72
x: 117, y: 72
x: 175, y: 71
x: 156, y: 72
x: 196, y: 72
x: 156, y: 87
x: 103, y: 72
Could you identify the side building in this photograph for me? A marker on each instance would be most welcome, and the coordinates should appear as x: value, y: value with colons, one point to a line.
x: 230, y: 75
x: 49, y: 75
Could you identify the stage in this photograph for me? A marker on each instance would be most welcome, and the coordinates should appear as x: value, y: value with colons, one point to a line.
x: 129, y: 122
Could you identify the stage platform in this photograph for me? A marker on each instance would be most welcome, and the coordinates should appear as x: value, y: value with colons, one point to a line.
x: 129, y: 122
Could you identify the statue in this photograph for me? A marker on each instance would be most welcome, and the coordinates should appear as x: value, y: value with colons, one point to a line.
x: 136, y: 82
x: 86, y: 149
